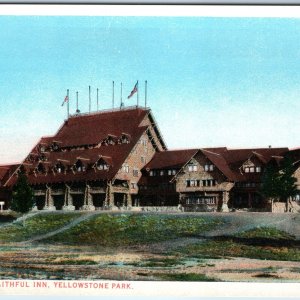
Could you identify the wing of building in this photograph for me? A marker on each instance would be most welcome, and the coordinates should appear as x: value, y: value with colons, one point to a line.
x: 94, y: 160
x: 118, y: 158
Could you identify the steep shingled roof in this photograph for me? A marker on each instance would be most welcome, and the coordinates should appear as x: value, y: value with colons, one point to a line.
x: 228, y: 161
x: 6, y: 171
x: 80, y: 131
x: 92, y: 128
x: 171, y: 159
x: 218, y: 160
x: 115, y: 155
x: 236, y: 157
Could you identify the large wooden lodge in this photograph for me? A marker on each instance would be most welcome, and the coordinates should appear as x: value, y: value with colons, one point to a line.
x: 117, y: 159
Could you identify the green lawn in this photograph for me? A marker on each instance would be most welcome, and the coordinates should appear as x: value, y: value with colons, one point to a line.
x: 259, y: 243
x: 36, y: 225
x: 130, y: 229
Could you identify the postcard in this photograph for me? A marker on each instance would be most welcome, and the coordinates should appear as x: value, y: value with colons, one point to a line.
x: 149, y: 150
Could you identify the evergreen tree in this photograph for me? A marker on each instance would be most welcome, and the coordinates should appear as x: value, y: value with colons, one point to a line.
x: 270, y: 182
x: 288, y: 187
x: 278, y: 182
x: 22, y: 195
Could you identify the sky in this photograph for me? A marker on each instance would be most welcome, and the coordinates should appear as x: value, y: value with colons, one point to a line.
x: 212, y: 82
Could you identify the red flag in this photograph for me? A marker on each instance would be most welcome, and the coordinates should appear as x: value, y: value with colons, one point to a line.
x: 65, y: 100
x: 135, y: 89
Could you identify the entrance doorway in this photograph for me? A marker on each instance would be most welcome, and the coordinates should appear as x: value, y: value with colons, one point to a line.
x: 98, y: 200
x: 59, y: 201
x: 40, y: 202
x: 78, y: 201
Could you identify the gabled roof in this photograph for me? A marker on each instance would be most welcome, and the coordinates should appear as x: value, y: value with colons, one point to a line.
x: 171, y: 159
x: 90, y: 129
x: 218, y: 160
x: 236, y: 157
x: 228, y: 161
x: 83, y: 136
x: 114, y: 155
x: 6, y: 171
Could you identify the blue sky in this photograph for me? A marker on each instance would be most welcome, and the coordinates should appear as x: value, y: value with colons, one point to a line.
x: 231, y: 82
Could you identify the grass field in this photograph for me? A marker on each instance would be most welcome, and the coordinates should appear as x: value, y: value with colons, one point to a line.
x: 141, y: 246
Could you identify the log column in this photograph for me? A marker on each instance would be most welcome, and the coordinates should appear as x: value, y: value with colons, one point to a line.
x: 225, y: 202
x: 111, y: 196
x: 49, y: 203
x: 68, y: 204
x: 88, y: 199
x: 129, y: 200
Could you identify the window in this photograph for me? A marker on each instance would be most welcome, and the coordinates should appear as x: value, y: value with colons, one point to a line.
x: 252, y: 169
x: 171, y: 172
x: 192, y: 182
x: 124, y: 139
x: 125, y: 168
x: 135, y: 172
x: 161, y: 173
x: 143, y: 159
x: 133, y: 185
x: 80, y: 167
x: 189, y: 201
x: 192, y: 168
x: 102, y: 165
x: 151, y: 173
x: 40, y: 168
x: 60, y: 168
x: 144, y: 142
x: 209, y: 167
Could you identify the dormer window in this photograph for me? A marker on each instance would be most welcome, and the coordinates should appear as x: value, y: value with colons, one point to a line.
x: 102, y: 165
x: 22, y: 170
x: 41, y: 168
x: 60, y: 168
x: 54, y: 147
x: 42, y: 148
x: 79, y: 166
x: 124, y: 139
x: 42, y: 157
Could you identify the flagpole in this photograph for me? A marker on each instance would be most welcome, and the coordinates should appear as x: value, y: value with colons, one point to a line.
x: 89, y: 98
x: 146, y: 94
x: 113, y: 94
x: 77, y: 110
x: 68, y: 105
x: 97, y: 99
x: 121, y: 95
x: 137, y: 94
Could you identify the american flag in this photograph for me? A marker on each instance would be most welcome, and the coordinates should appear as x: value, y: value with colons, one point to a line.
x: 65, y: 100
x: 135, y: 89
